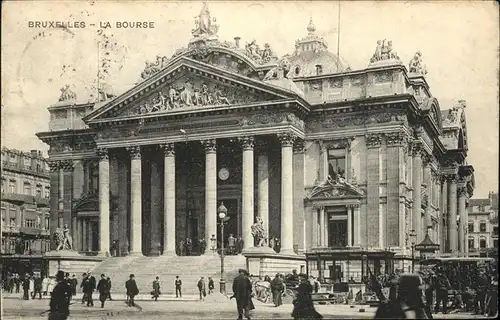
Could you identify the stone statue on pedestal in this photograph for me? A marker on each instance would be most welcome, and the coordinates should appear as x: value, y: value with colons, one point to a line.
x: 259, y: 233
x: 63, y: 239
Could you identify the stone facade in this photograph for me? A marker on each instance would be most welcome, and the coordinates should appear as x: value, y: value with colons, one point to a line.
x: 25, y: 199
x: 327, y: 156
x: 482, y: 226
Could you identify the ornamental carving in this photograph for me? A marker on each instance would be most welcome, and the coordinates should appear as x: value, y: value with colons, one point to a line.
x: 358, y: 81
x: 335, y: 83
x: 66, y: 165
x: 135, y: 152
x: 299, y: 146
x: 67, y: 94
x: 53, y: 166
x: 384, y: 51
x: 247, y: 142
x: 286, y: 139
x: 268, y: 118
x: 383, y: 76
x: 462, y: 191
x: 416, y: 148
x: 261, y: 56
x: 396, y: 139
x: 450, y: 177
x: 154, y: 67
x: 416, y: 65
x: 262, y: 145
x: 373, y: 140
x: 210, y: 145
x: 335, y: 187
x: 426, y: 159
x: 359, y: 120
x: 191, y: 94
x: 336, y: 144
x: 102, y: 153
x: 168, y: 149
x: 452, y: 118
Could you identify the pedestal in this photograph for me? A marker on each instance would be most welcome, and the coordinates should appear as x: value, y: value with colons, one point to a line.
x: 70, y: 261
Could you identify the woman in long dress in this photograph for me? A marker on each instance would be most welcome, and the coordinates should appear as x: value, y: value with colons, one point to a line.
x: 303, y: 304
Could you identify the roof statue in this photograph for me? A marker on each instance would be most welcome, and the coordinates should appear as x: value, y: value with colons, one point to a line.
x: 67, y: 94
x: 453, y: 116
x: 261, y: 56
x: 383, y: 52
x: 205, y: 24
x: 416, y: 65
x: 154, y: 67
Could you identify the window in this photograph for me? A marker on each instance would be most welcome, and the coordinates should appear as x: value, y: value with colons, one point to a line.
x: 30, y: 223
x: 3, y: 185
x: 94, y: 178
x: 336, y: 163
x: 482, y: 227
x: 12, y: 158
x: 481, y: 208
x: 471, y: 243
x: 482, y: 243
x: 12, y: 186
x: 495, y: 243
x: 12, y: 222
x: 39, y: 190
x: 46, y: 223
x: 27, y: 188
x: 38, y: 222
x: 471, y: 227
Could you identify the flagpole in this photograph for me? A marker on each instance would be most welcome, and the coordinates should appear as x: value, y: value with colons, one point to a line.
x: 338, y: 39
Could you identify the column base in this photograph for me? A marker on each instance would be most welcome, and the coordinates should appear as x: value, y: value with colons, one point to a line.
x: 104, y: 254
x: 169, y: 254
x: 135, y: 254
x: 287, y: 252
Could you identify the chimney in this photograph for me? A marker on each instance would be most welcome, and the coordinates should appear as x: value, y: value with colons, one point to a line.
x: 319, y: 69
x: 237, y: 42
x: 34, y: 156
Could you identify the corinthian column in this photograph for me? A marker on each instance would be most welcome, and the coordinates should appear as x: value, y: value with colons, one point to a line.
x: 462, y: 213
x: 247, y: 191
x: 443, y: 208
x: 417, y: 184
x: 286, y: 140
x: 263, y: 184
x: 210, y: 190
x: 136, y: 201
x: 169, y: 196
x: 103, y: 202
x: 452, y: 214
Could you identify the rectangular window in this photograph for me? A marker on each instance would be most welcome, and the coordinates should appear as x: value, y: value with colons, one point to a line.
x: 46, y: 223
x: 495, y: 243
x: 336, y: 163
x: 3, y: 185
x: 482, y: 243
x: 482, y: 227
x: 471, y: 243
x: 495, y: 231
x: 12, y: 186
x: 27, y: 188
x: 471, y: 227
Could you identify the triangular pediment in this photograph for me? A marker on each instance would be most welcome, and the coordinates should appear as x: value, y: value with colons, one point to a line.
x: 188, y: 84
x: 335, y: 188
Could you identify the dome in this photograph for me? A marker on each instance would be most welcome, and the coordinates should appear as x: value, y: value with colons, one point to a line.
x: 307, y: 63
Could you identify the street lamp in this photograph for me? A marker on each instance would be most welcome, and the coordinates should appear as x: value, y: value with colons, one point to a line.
x: 413, y: 236
x: 222, y: 210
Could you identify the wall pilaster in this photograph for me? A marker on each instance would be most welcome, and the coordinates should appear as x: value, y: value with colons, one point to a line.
x: 373, y: 143
x: 299, y: 195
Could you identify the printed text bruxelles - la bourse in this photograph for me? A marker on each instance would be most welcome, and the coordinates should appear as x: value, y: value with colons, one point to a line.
x: 82, y: 24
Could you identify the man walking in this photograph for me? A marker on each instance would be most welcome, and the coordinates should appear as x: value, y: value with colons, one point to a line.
x: 74, y: 283
x: 109, y: 292
x: 242, y: 290
x: 202, y: 288
x: 87, y: 290
x: 59, y: 301
x: 178, y: 287
x: 132, y: 290
x: 103, y: 288
x: 211, y: 285
x: 442, y: 286
x: 26, y: 287
x: 37, y: 288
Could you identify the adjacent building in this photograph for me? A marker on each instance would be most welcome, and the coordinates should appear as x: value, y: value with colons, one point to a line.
x: 328, y: 157
x: 483, y: 224
x: 25, y: 208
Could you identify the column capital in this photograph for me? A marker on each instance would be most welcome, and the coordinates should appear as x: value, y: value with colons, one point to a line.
x: 462, y: 190
x: 53, y: 165
x: 102, y: 153
x: 396, y: 139
x: 426, y: 159
x: 135, y: 152
x: 168, y: 149
x: 451, y: 177
x: 247, y: 143
x: 261, y: 145
x: 352, y: 205
x: 210, y: 145
x: 373, y: 140
x: 286, y: 139
x: 66, y: 165
x: 299, y: 146
x: 416, y: 148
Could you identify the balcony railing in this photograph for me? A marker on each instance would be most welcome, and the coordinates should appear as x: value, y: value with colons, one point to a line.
x: 24, y: 198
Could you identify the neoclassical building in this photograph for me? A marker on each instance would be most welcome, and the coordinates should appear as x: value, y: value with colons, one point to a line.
x: 327, y: 156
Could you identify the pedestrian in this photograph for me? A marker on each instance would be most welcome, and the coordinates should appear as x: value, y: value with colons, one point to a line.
x: 201, y: 288
x: 103, y: 288
x: 45, y: 285
x: 189, y: 246
x: 26, y: 287
x: 178, y: 287
x: 481, y: 289
x: 37, y: 288
x: 430, y: 286
x: 242, y: 291
x: 32, y: 285
x: 68, y: 280
x: 60, y: 298
x: 109, y: 292
x: 409, y: 303
x: 18, y: 282
x: 52, y: 284
x: 211, y: 285
x: 74, y: 283
x: 303, y: 304
x: 156, y: 289
x: 88, y: 289
x: 132, y: 290
x: 277, y: 289
x: 82, y: 286
x: 442, y: 286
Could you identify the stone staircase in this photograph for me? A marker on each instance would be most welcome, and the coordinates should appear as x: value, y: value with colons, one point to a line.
x: 189, y: 269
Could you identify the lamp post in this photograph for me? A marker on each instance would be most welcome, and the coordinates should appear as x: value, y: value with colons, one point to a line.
x: 413, y: 236
x: 222, y: 210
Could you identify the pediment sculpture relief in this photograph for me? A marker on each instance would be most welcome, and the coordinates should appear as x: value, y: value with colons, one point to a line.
x: 190, y: 93
x: 335, y: 187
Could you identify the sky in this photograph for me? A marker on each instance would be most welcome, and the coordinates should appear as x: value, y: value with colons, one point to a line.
x: 458, y: 40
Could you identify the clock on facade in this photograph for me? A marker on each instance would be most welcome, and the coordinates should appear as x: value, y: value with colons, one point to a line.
x: 223, y: 174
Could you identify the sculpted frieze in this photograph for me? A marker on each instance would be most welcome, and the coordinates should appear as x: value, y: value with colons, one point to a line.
x: 191, y: 93
x: 336, y: 83
x: 272, y: 117
x: 357, y: 120
x: 386, y: 76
